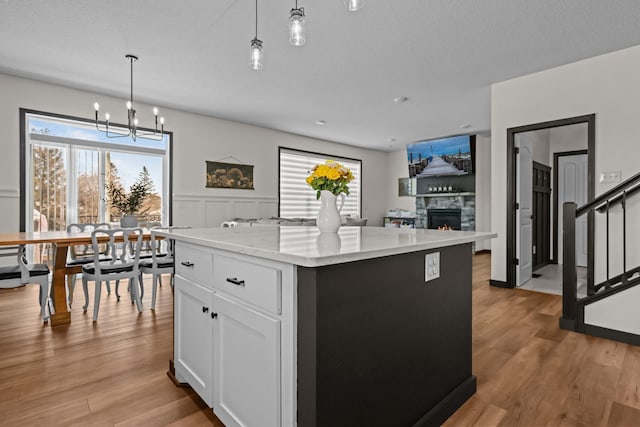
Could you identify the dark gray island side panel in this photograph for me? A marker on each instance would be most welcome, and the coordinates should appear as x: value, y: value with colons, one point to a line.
x: 377, y: 346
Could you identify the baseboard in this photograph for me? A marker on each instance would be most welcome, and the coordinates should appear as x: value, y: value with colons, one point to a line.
x: 500, y: 284
x: 612, y: 334
x: 449, y: 405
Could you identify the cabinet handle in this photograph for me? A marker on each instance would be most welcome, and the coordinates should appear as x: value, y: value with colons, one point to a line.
x: 187, y: 263
x: 214, y: 315
x: 205, y: 309
x: 235, y: 281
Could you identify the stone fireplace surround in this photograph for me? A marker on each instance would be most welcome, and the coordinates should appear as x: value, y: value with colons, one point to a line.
x: 466, y: 202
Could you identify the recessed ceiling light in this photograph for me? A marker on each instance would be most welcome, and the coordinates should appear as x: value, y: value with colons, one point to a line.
x: 321, y: 122
x: 465, y: 126
x: 400, y: 99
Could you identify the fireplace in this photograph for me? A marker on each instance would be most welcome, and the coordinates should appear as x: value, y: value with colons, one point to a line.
x: 443, y: 218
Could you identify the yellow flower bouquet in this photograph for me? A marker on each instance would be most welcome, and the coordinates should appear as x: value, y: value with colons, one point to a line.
x: 330, y: 176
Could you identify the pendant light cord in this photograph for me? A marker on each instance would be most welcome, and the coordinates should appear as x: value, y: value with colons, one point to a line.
x: 131, y: 61
x: 256, y: 19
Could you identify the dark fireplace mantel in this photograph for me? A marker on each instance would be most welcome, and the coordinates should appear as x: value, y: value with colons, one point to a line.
x: 444, y: 218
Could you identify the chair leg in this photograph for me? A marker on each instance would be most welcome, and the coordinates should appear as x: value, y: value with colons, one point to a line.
x: 117, y: 292
x: 85, y: 289
x: 96, y: 303
x: 156, y: 282
x: 71, y: 286
x: 109, y: 286
x: 44, y: 299
x: 134, y: 293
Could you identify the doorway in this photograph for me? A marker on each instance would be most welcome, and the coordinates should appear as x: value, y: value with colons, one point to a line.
x: 526, y: 251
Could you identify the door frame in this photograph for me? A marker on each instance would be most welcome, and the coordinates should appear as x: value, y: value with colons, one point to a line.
x: 556, y: 216
x: 590, y: 120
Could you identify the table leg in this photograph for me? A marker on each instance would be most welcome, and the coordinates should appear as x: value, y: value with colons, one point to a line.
x: 62, y: 315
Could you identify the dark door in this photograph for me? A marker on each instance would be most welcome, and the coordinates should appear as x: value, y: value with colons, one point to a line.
x: 541, y: 215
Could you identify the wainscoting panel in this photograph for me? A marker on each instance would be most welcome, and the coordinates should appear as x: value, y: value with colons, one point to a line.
x: 10, y: 208
x: 210, y: 211
x: 217, y: 211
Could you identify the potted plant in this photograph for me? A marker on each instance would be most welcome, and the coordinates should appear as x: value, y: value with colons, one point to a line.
x: 127, y: 204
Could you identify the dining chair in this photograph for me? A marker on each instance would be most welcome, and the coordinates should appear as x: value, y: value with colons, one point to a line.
x: 124, y: 264
x: 79, y: 255
x: 23, y: 273
x: 161, y: 261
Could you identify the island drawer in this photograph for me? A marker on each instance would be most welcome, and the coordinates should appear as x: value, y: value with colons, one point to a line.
x: 250, y: 281
x: 193, y: 262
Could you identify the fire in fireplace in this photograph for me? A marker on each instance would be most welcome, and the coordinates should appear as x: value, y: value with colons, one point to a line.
x: 444, y: 219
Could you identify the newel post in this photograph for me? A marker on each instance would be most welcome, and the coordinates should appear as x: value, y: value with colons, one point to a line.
x: 569, y: 279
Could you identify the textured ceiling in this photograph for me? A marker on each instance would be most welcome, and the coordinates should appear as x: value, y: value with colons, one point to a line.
x: 443, y: 55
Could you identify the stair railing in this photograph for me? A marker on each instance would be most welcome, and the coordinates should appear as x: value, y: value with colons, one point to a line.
x: 572, y: 316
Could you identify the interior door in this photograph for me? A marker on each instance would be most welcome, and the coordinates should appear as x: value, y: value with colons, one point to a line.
x: 541, y: 215
x: 572, y: 187
x: 524, y: 214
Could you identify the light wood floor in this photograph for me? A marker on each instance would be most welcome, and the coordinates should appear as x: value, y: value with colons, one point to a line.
x: 113, y: 372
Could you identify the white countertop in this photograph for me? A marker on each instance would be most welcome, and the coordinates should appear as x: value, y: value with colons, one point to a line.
x: 307, y: 247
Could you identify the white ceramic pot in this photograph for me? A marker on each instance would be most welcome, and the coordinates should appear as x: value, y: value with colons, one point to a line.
x: 128, y: 221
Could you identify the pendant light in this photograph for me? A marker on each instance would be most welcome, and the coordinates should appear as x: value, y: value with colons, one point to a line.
x: 132, y: 120
x: 257, y: 54
x: 353, y: 5
x: 297, y: 26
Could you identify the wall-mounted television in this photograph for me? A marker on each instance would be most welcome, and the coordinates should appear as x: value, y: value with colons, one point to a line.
x: 452, y: 156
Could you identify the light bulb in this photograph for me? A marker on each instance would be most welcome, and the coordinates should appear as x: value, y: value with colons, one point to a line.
x: 107, y: 116
x: 135, y: 121
x: 297, y: 27
x: 96, y: 106
x: 162, y: 120
x: 353, y: 5
x: 129, y: 105
x: 256, y: 58
x: 155, y: 111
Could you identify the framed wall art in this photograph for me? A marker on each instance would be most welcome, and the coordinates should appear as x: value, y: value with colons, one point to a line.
x: 229, y: 175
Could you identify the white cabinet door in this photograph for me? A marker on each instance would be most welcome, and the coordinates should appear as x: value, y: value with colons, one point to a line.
x: 246, y: 366
x: 193, y: 336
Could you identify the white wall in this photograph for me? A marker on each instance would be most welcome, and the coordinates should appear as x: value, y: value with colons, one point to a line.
x: 483, y: 189
x: 607, y: 85
x: 197, y: 138
x: 398, y: 167
x: 539, y: 140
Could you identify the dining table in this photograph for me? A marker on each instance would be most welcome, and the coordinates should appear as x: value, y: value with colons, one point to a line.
x: 61, y: 241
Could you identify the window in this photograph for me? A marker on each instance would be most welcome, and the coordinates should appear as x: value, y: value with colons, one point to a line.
x: 298, y: 199
x: 65, y: 165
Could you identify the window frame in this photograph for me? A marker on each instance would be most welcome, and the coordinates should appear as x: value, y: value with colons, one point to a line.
x: 325, y: 157
x: 25, y: 112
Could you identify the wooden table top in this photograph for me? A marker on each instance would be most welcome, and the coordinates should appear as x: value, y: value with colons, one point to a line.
x: 25, y: 238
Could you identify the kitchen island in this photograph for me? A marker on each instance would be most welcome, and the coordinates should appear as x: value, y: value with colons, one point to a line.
x: 285, y: 326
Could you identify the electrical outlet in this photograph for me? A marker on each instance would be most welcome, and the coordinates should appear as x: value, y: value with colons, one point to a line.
x: 610, y: 177
x: 431, y: 266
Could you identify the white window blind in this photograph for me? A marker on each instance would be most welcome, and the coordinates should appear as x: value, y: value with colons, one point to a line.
x: 298, y: 199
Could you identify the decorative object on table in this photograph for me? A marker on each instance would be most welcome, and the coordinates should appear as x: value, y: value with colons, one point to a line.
x: 330, y: 179
x: 229, y: 175
x: 128, y: 204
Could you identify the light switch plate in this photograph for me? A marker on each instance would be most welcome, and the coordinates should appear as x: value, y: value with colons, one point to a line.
x: 431, y: 266
x: 610, y: 177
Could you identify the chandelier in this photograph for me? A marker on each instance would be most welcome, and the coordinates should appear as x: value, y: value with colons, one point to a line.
x: 132, y: 120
